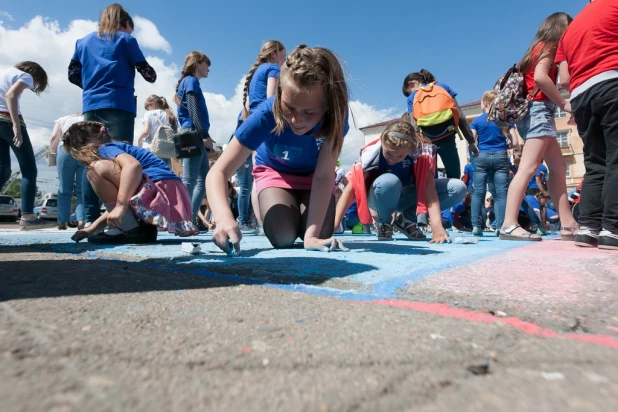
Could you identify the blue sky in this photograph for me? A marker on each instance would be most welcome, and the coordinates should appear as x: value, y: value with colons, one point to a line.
x: 465, y: 44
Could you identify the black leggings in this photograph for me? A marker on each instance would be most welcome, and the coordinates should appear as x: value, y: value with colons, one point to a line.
x: 285, y: 213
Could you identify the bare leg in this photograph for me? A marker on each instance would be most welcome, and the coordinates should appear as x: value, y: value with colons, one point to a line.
x: 557, y: 184
x: 531, y: 158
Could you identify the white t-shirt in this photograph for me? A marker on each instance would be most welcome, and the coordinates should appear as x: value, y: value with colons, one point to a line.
x: 67, y: 121
x: 151, y: 117
x: 8, y: 78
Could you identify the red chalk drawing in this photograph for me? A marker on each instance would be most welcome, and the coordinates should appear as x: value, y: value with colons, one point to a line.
x: 526, y: 327
x: 242, y: 351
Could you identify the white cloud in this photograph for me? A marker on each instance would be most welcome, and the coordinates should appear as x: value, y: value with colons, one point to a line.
x: 44, y: 41
x: 7, y: 15
x: 148, y: 35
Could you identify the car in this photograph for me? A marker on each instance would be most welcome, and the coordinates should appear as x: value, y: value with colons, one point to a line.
x: 46, y: 209
x: 9, y: 209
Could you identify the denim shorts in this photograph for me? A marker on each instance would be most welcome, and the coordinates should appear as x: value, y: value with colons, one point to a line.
x: 539, y: 122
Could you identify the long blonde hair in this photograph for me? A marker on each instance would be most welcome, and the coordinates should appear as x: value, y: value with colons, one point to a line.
x: 549, y: 33
x: 113, y: 18
x: 271, y: 46
x: 306, y: 67
x: 83, y: 139
x: 192, y: 59
x: 160, y: 103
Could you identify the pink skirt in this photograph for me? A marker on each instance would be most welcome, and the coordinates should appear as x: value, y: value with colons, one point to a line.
x: 165, y: 204
x: 266, y: 177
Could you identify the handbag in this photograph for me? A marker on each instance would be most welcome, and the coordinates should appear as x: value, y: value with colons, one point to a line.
x: 188, y: 142
x: 163, y: 145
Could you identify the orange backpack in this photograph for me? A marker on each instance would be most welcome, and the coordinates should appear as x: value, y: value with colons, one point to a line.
x: 435, y: 112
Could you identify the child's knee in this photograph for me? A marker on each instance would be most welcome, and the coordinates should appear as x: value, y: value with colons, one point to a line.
x: 387, y: 183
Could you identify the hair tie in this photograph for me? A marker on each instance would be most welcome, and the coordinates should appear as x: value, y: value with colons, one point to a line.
x: 103, y: 129
x: 402, y: 136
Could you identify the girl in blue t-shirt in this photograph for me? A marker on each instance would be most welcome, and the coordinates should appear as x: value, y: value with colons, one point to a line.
x: 492, y: 165
x: 104, y: 65
x: 261, y: 83
x: 298, y: 134
x: 193, y: 115
x: 137, y: 188
x: 447, y: 147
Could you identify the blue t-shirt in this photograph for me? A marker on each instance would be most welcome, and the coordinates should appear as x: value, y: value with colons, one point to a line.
x: 286, y: 152
x: 444, y: 86
x: 154, y: 167
x: 403, y: 170
x: 490, y: 136
x: 469, y: 170
x: 259, y: 83
x: 108, y: 71
x: 542, y: 169
x: 191, y: 84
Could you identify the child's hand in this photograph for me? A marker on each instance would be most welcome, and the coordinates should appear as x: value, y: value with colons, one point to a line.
x: 115, y: 216
x: 18, y: 138
x: 439, y: 236
x: 474, y: 150
x: 227, y: 232
x: 81, y: 234
x: 324, y: 245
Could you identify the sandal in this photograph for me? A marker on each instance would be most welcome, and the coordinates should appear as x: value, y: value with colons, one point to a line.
x: 524, y: 236
x: 408, y: 228
x: 569, y: 237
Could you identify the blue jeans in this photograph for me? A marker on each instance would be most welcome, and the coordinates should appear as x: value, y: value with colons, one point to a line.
x: 245, y: 184
x: 490, y: 166
x: 26, y: 160
x: 120, y: 125
x: 194, y: 171
x: 386, y: 196
x: 70, y: 174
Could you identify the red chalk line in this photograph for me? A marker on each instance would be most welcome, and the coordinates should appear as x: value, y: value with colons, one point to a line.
x: 526, y: 327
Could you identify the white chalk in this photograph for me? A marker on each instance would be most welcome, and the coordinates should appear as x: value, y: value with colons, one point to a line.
x: 191, y: 248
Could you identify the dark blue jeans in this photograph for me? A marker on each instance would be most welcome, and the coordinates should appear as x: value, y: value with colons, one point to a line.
x: 26, y: 160
x: 120, y: 125
x: 490, y: 166
x: 245, y: 184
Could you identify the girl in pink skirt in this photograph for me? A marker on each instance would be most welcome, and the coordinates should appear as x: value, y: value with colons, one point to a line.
x: 298, y: 134
x: 139, y: 191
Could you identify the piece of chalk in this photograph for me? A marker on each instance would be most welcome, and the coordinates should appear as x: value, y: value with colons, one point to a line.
x: 191, y: 248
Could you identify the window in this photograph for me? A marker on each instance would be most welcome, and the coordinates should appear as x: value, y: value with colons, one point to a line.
x: 559, y: 113
x: 568, y: 169
x: 563, y: 138
x: 52, y: 203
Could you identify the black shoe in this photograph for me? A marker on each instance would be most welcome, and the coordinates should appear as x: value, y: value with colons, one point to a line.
x: 608, y: 240
x: 586, y: 238
x: 133, y: 236
x: 150, y: 232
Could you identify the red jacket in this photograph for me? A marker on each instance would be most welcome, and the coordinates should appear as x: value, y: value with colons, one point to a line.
x: 424, y: 163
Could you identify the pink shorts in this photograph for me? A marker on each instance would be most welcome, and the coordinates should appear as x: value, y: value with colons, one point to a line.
x: 266, y: 177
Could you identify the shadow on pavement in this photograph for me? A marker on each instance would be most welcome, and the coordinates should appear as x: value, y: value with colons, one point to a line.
x: 54, y: 278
